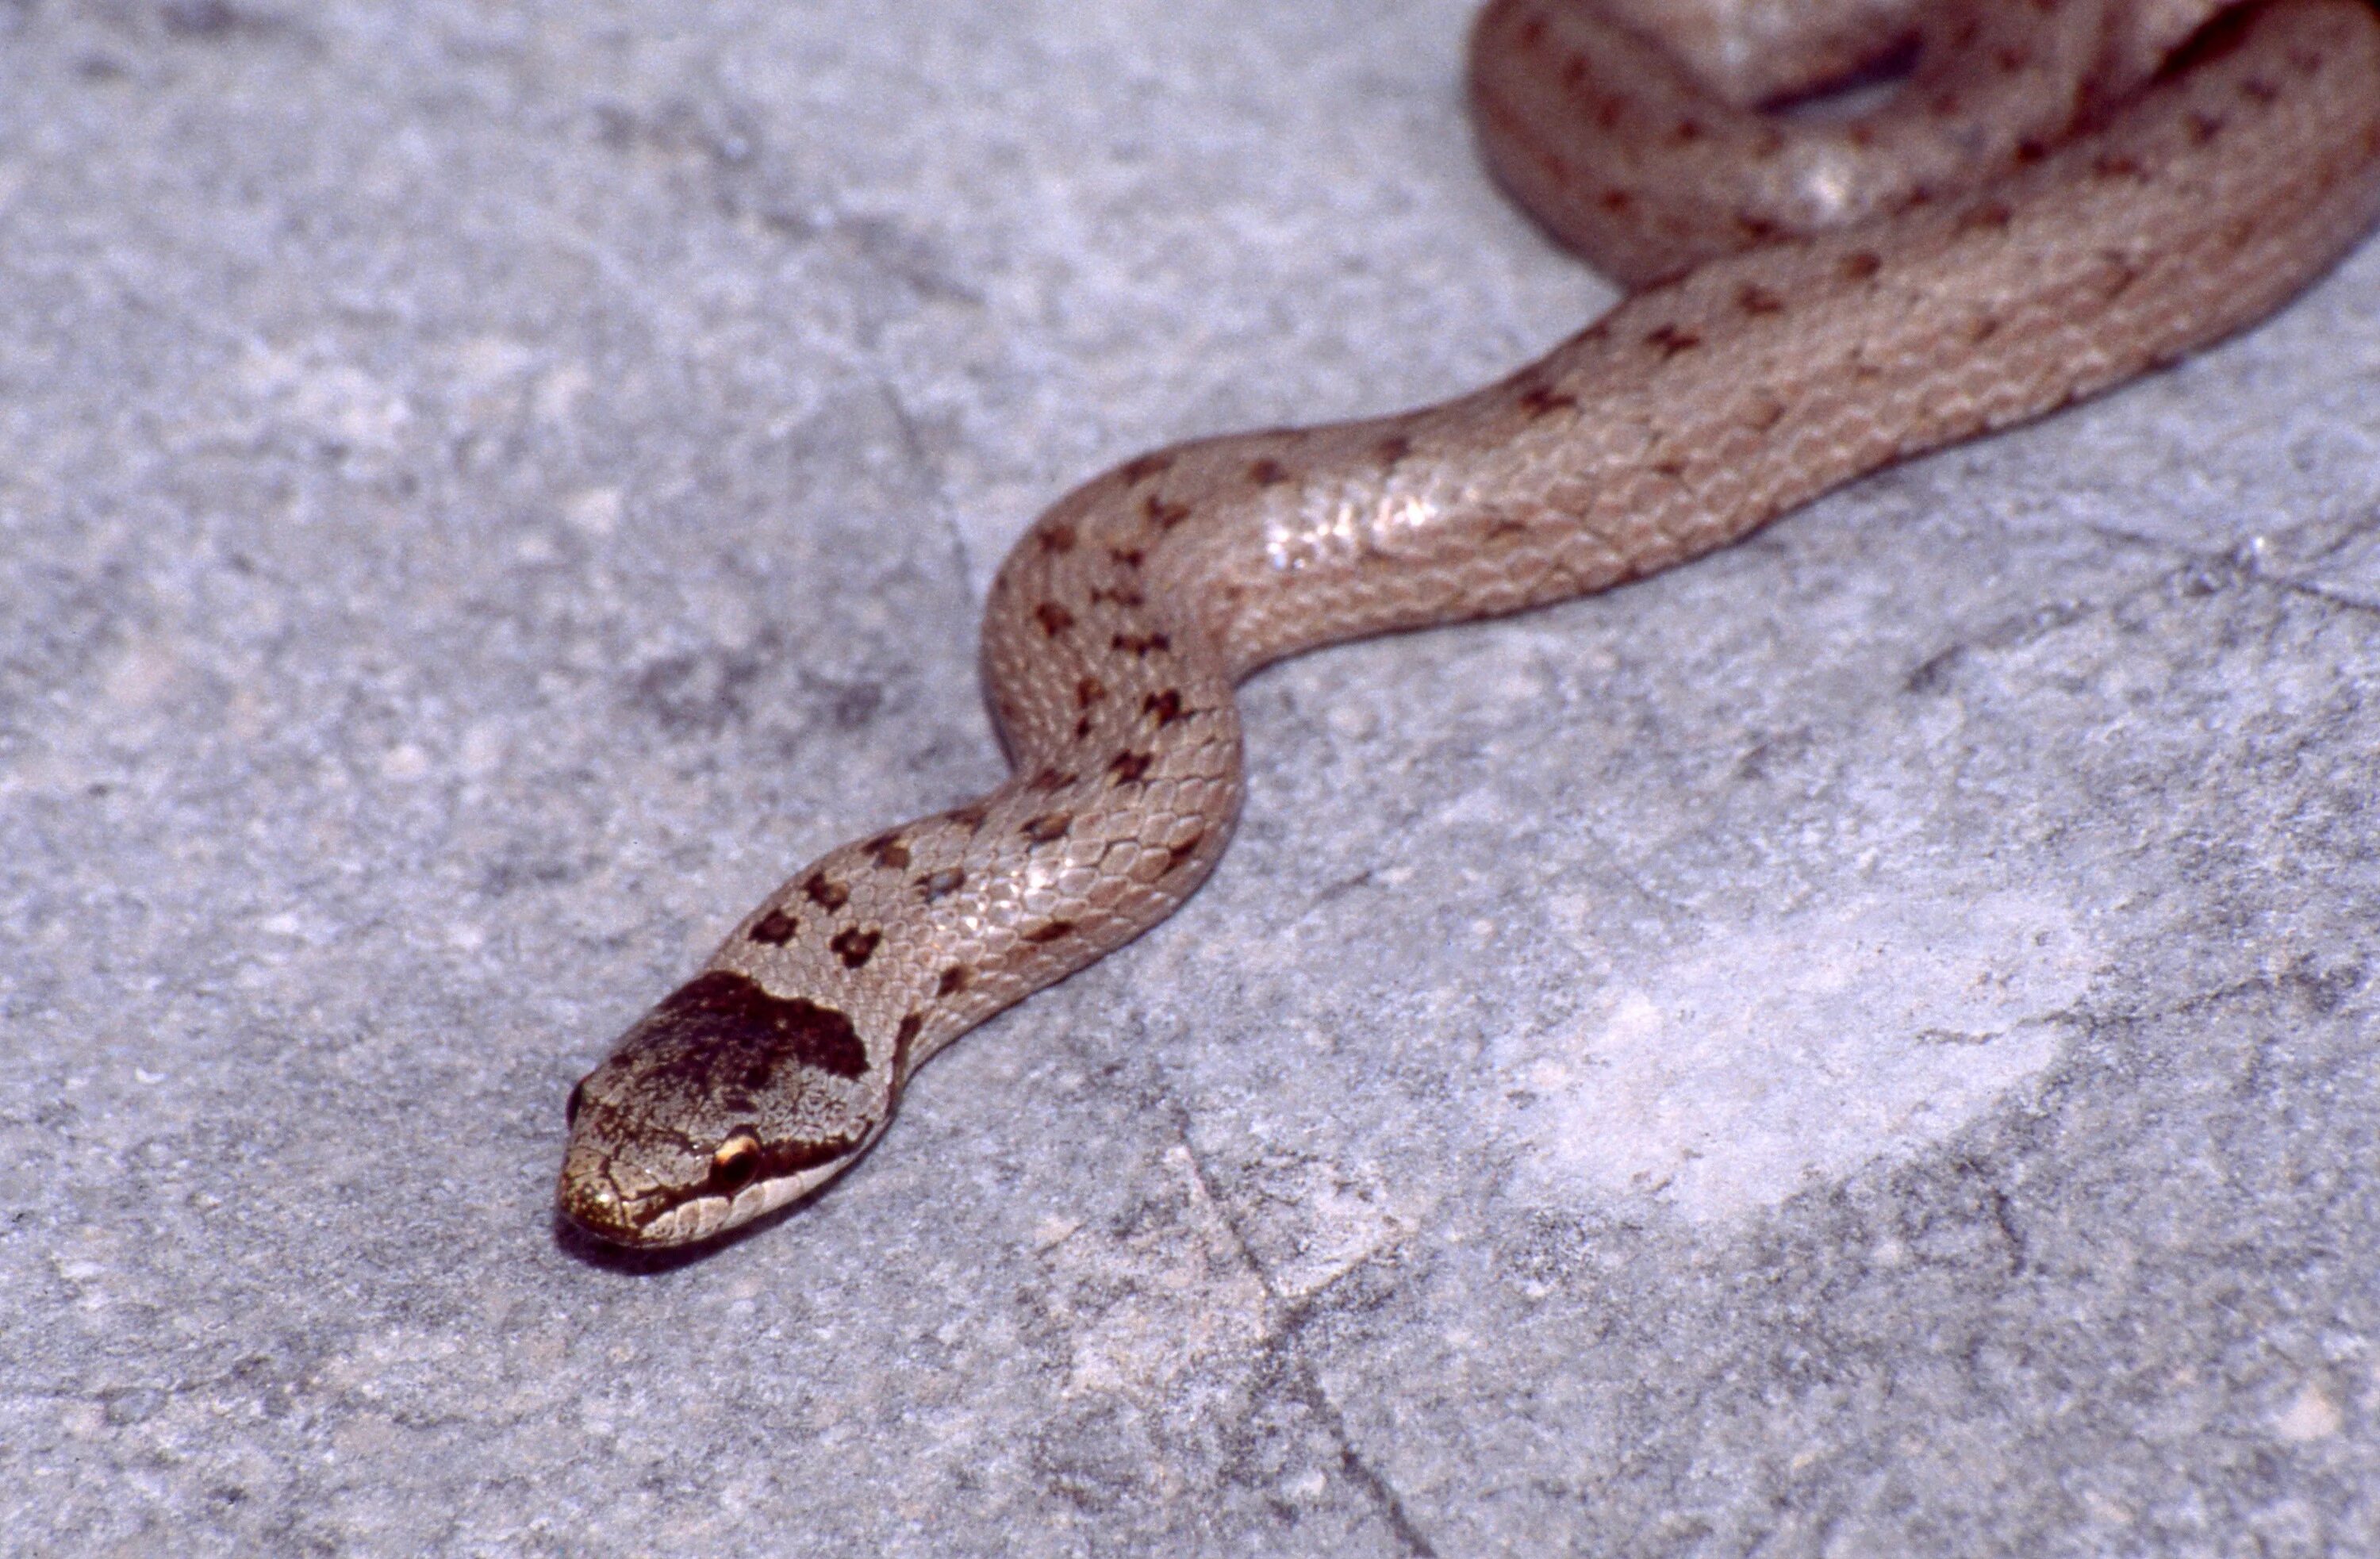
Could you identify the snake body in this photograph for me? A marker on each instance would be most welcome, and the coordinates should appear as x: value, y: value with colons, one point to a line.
x: 2063, y: 194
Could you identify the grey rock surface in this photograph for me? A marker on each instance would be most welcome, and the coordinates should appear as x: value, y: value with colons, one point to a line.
x: 1861, y: 1047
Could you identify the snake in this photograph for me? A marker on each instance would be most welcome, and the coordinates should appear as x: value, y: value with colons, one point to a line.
x: 1850, y: 231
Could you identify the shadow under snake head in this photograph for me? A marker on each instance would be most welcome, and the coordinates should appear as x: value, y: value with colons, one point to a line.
x: 723, y: 1103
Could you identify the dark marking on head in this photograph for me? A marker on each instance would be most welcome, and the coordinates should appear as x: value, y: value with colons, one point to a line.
x: 1672, y: 469
x: 941, y: 885
x: 855, y: 946
x: 1672, y: 339
x: 2030, y: 151
x: 1130, y: 768
x: 1050, y: 931
x: 1049, y: 781
x: 1267, y: 474
x: 1048, y: 826
x: 1146, y: 467
x: 2260, y: 90
x: 775, y: 929
x: 1391, y: 451
x: 2204, y: 128
x: 1504, y: 527
x: 1141, y: 644
x: 1532, y: 32
x: 2116, y: 164
x: 1057, y: 538
x: 1164, y: 707
x: 1758, y: 301
x: 727, y: 1025
x: 1688, y: 132
x: 889, y: 851
x: 1127, y: 557
x: 1162, y: 515
x: 902, y: 1038
x: 970, y: 817
x: 1083, y: 728
x: 1984, y: 327
x: 826, y: 893
x: 1616, y: 200
x: 1054, y: 619
x: 1860, y: 265
x: 1088, y: 691
x: 956, y: 979
x: 1119, y: 595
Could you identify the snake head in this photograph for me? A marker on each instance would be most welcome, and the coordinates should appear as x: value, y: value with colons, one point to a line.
x: 723, y: 1103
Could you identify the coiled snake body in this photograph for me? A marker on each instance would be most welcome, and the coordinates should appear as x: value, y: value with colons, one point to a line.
x: 2061, y: 194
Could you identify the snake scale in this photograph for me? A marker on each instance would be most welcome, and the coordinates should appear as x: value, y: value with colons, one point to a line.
x: 2056, y: 196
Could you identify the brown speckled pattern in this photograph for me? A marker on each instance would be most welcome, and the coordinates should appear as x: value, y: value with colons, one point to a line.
x: 1990, y: 291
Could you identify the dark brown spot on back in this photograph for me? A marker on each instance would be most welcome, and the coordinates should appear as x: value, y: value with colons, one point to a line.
x: 889, y: 851
x: 1162, y: 515
x: 1987, y: 216
x: 1088, y: 691
x: 1141, y: 644
x: 1672, y: 339
x: 775, y: 929
x: 1860, y: 265
x: 1164, y: 707
x: 1057, y: 538
x: 941, y: 885
x: 1757, y: 301
x: 826, y: 893
x: 1267, y: 474
x: 1179, y: 855
x: 1050, y: 931
x: 902, y: 1038
x: 1539, y: 402
x: 1130, y: 768
x: 970, y: 817
x: 1391, y: 451
x: 954, y: 980
x: 1127, y: 557
x: 1054, y: 619
x: 855, y: 946
x: 1146, y: 467
x: 1048, y: 826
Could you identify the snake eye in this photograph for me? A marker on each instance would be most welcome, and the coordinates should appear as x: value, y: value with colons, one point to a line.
x: 737, y: 1160
x: 578, y: 1102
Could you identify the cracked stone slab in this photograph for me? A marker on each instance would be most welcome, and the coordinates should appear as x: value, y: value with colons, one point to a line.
x: 1861, y: 1047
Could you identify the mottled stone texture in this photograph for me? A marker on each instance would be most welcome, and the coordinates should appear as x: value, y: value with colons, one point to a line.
x: 1864, y: 1046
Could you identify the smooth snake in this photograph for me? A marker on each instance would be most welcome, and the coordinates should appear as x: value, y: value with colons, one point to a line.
x: 2056, y: 196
